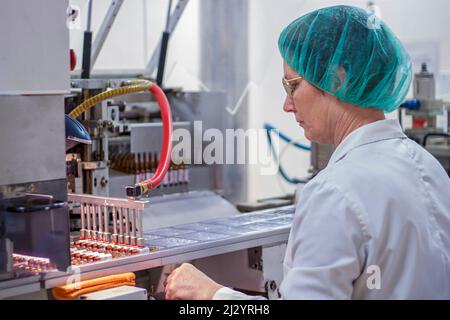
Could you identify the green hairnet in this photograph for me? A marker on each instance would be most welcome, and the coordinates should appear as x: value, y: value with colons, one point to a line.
x: 349, y: 53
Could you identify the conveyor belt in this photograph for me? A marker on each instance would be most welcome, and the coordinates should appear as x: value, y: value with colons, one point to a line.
x: 191, y: 241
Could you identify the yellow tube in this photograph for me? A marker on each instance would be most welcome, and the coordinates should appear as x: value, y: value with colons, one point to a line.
x: 137, y: 86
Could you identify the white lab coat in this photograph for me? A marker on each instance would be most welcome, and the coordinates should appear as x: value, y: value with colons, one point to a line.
x: 374, y: 224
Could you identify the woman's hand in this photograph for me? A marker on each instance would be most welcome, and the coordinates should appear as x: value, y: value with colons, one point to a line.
x: 189, y: 283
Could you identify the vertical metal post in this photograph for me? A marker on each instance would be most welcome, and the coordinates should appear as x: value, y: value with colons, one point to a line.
x: 121, y: 225
x: 100, y: 223
x: 173, y: 21
x: 87, y: 44
x: 140, y: 239
x: 88, y: 218
x: 104, y: 29
x: 94, y: 222
x: 133, y: 227
x: 83, y: 226
x: 106, y: 234
x: 127, y: 226
x: 223, y: 22
x: 164, y: 46
x: 114, y: 217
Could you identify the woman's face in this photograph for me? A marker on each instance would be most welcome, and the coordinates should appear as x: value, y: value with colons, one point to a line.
x: 311, y: 108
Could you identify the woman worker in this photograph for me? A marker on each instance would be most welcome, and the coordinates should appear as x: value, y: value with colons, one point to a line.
x: 383, y: 202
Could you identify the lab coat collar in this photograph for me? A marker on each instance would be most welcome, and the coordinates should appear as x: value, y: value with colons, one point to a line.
x: 369, y: 133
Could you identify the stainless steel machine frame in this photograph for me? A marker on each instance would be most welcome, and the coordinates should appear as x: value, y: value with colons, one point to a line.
x: 34, y: 218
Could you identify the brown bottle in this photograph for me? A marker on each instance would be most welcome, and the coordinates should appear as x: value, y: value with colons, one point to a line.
x: 155, y: 162
x: 121, y: 162
x: 134, y: 166
x: 130, y: 163
x: 113, y: 160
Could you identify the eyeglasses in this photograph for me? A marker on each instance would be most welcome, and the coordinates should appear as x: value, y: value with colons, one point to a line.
x: 289, y: 86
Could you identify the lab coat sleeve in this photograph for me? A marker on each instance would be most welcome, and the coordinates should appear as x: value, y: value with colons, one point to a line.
x: 230, y: 294
x: 325, y: 251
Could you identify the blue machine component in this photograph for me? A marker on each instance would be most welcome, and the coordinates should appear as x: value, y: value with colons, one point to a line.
x: 75, y: 133
x: 412, y: 104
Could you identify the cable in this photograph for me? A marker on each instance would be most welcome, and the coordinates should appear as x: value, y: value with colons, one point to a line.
x: 429, y: 135
x: 290, y: 141
x: 166, y: 116
x: 280, y: 177
x: 166, y: 148
x: 137, y: 86
x: 269, y: 127
x: 87, y: 45
x: 164, y: 46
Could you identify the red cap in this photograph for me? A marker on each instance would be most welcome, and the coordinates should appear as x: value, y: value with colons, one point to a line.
x: 73, y: 59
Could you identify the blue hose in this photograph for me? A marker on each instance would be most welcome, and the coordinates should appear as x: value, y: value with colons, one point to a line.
x: 269, y: 128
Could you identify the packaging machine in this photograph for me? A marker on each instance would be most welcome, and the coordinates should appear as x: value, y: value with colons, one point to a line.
x: 65, y: 215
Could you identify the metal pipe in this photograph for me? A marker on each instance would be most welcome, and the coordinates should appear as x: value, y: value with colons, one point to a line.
x: 114, y: 237
x: 106, y: 224
x: 163, y: 51
x: 169, y: 9
x: 83, y: 227
x: 127, y: 226
x: 140, y: 239
x: 89, y: 16
x: 104, y: 29
x: 100, y: 223
x: 89, y: 205
x: 117, y: 202
x: 94, y: 222
x: 88, y: 218
x: 120, y: 225
x: 87, y: 45
x: 133, y: 227
x: 173, y: 21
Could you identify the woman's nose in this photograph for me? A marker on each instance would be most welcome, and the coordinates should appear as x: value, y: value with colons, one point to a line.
x: 288, y: 105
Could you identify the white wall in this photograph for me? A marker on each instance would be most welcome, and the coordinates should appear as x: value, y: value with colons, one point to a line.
x: 414, y: 22
x: 134, y: 35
